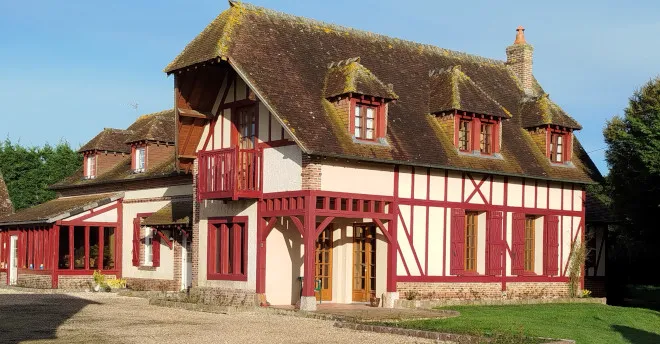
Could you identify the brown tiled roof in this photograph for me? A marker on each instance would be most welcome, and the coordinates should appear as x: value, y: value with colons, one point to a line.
x: 58, y: 209
x: 157, y: 126
x: 350, y: 76
x: 537, y: 111
x: 6, y: 207
x: 177, y: 212
x: 121, y: 172
x: 111, y: 140
x: 451, y: 89
x: 285, y: 59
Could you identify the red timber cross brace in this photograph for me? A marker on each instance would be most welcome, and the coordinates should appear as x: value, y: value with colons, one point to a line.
x: 306, y: 208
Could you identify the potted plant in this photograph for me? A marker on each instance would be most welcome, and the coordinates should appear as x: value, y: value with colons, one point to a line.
x: 99, y: 281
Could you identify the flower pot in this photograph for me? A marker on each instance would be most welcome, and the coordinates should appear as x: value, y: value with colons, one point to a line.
x: 97, y: 288
x: 374, y: 301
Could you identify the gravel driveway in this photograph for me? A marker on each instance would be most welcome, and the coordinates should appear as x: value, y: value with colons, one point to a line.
x: 107, y: 318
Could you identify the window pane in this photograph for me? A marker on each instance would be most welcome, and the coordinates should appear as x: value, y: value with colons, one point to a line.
x: 79, y: 247
x: 370, y: 123
x: 109, y: 248
x: 370, y: 112
x: 93, y: 247
x: 370, y: 134
x: 148, y: 249
x: 63, y: 259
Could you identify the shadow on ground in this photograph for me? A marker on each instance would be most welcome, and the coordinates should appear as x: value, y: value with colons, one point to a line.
x: 636, y: 336
x: 35, y: 316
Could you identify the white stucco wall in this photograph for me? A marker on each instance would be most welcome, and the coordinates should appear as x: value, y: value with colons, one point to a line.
x: 357, y: 178
x: 219, y: 209
x: 282, y: 169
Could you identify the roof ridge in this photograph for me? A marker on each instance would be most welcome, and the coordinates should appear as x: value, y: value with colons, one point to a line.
x: 329, y: 27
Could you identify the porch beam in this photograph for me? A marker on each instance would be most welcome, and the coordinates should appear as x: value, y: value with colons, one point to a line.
x: 299, y: 225
x: 386, y: 232
x: 269, y: 227
x: 323, y: 225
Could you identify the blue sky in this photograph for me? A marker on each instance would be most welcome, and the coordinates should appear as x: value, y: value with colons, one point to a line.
x: 70, y: 68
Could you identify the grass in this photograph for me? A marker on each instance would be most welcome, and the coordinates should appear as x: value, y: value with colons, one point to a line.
x: 585, y: 323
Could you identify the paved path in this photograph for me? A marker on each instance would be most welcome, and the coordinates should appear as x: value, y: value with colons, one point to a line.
x: 107, y: 318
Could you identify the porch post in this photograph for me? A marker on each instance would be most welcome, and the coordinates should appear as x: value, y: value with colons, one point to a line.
x: 261, y: 255
x: 308, y: 299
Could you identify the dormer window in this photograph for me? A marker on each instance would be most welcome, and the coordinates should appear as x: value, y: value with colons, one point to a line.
x: 365, y: 118
x: 464, y: 142
x: 477, y: 134
x: 558, y: 145
x: 90, y: 166
x: 139, y: 159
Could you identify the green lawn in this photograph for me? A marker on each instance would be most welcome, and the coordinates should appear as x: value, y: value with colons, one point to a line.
x: 585, y: 323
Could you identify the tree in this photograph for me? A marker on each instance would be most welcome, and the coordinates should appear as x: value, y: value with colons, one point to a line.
x: 633, y: 155
x: 28, y: 171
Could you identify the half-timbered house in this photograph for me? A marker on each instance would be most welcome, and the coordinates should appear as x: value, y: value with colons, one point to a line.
x: 126, y: 213
x: 340, y: 165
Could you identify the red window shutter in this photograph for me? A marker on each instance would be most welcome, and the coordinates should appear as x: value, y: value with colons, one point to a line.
x: 494, y: 246
x: 457, y: 265
x: 518, y: 249
x: 155, y: 248
x: 551, y: 246
x: 136, y: 241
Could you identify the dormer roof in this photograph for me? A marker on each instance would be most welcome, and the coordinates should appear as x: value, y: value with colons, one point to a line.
x: 540, y: 111
x: 157, y: 126
x: 111, y: 140
x: 349, y: 76
x: 451, y: 89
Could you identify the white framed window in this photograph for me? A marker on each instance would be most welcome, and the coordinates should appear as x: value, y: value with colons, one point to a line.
x: 148, y: 247
x: 90, y: 162
x: 364, y: 126
x: 140, y: 162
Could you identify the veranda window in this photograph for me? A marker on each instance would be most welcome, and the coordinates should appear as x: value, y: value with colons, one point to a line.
x: 37, y: 249
x: 87, y: 248
x: 227, y: 245
x: 530, y: 232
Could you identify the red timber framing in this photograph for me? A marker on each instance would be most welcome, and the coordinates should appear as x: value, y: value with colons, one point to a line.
x: 308, y: 208
x: 40, y: 250
x: 479, y: 198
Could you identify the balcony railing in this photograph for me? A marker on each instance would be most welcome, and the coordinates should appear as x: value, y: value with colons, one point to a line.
x: 230, y: 173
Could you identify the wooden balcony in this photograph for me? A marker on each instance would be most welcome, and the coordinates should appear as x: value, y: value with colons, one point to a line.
x: 230, y: 173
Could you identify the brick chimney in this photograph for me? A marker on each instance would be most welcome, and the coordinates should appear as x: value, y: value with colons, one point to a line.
x: 519, y: 59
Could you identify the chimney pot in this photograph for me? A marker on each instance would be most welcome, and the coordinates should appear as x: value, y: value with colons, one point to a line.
x: 520, y: 35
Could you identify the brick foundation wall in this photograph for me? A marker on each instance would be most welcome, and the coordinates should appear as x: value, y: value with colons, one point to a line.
x: 38, y: 281
x: 144, y: 284
x: 195, y: 230
x: 79, y: 282
x: 311, y: 173
x: 3, y: 278
x: 483, y: 291
x: 224, y: 297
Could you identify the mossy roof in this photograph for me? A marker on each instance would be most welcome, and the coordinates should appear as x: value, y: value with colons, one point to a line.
x: 177, y: 212
x: 6, y: 206
x: 539, y: 111
x: 285, y: 58
x: 111, y: 140
x: 451, y: 89
x: 157, y: 126
x: 58, y: 209
x: 345, y: 77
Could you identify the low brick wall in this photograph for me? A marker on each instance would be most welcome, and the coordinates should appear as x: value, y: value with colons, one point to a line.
x: 463, y: 291
x: 3, y: 278
x: 145, y: 284
x: 77, y: 282
x: 38, y: 281
x: 222, y: 297
x: 482, y: 291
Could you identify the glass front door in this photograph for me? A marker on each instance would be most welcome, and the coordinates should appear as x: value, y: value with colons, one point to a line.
x: 364, y: 262
x: 324, y: 264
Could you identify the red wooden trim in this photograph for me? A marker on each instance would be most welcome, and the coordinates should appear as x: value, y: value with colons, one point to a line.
x: 410, y: 241
x: 382, y: 228
x: 71, y: 260
x: 322, y: 226
x: 210, y: 133
x: 481, y: 279
x: 86, y: 247
x: 523, y: 193
x: 119, y: 235
x: 168, y: 242
x: 485, y: 207
x: 213, y: 229
x: 428, y: 196
x: 99, y: 264
x: 82, y: 272
x: 299, y: 225
x: 463, y: 187
x: 444, y: 227
x: 93, y: 213
x: 270, y: 127
x: 275, y: 144
x: 477, y: 188
x: 536, y: 193
x: 268, y: 228
x: 412, y: 207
